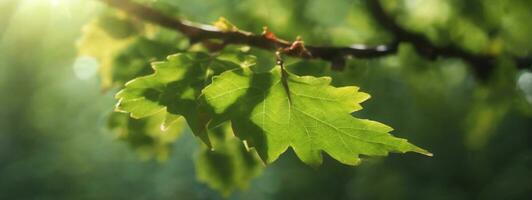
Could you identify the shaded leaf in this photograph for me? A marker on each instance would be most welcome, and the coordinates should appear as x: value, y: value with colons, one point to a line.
x: 134, y: 60
x: 229, y: 166
x: 174, y: 89
x: 146, y: 135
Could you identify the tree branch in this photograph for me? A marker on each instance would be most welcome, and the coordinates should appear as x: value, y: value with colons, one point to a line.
x: 198, y: 32
x: 481, y: 64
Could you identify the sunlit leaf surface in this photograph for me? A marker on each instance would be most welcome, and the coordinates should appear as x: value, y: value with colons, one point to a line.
x: 308, y: 115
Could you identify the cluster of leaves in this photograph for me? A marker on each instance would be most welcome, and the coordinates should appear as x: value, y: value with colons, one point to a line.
x: 267, y: 111
x: 125, y: 48
x: 243, y: 114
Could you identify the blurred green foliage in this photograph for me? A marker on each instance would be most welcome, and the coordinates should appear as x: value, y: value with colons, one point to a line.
x: 229, y: 165
x: 55, y: 143
x: 146, y: 135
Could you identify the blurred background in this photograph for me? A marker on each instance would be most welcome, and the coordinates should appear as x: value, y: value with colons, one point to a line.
x: 55, y: 140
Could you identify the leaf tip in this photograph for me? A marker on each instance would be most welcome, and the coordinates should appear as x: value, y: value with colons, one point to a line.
x: 118, y: 107
x: 429, y: 154
x: 423, y: 152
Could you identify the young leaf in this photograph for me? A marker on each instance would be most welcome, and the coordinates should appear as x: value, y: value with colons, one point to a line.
x: 173, y: 89
x: 311, y: 116
x: 229, y: 166
x: 224, y: 25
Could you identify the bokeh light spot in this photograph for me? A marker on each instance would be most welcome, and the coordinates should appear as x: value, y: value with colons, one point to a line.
x: 55, y: 3
x: 85, y: 67
x: 524, y: 82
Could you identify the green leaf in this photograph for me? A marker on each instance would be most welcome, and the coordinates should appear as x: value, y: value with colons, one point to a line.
x: 134, y: 60
x: 229, y: 166
x: 147, y: 136
x: 308, y: 115
x: 174, y: 89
